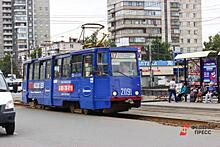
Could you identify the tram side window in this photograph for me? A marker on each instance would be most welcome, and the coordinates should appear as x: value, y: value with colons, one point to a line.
x: 31, y: 72
x: 88, y: 66
x: 24, y: 71
x: 48, y: 69
x: 102, y: 64
x: 57, y: 68
x: 66, y: 67
x: 42, y: 70
x: 36, y: 71
x: 77, y: 66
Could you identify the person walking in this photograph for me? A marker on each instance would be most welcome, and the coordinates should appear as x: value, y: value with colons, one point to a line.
x: 172, y: 90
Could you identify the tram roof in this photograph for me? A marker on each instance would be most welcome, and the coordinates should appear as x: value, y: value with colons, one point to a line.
x: 196, y: 55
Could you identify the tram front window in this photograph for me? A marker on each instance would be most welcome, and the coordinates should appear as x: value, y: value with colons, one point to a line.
x: 124, y: 64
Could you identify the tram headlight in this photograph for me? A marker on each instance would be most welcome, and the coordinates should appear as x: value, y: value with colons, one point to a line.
x: 114, y: 93
x: 136, y: 92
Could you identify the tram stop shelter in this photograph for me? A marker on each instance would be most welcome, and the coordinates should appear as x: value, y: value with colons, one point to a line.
x: 200, y: 67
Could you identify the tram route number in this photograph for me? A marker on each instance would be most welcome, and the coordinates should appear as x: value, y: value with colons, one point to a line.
x: 126, y: 91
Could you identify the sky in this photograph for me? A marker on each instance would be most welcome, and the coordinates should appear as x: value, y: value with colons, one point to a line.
x: 67, y: 16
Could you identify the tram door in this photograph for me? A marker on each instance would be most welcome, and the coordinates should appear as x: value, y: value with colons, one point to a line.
x: 101, y: 83
x: 48, y: 84
x: 25, y: 84
x: 87, y: 81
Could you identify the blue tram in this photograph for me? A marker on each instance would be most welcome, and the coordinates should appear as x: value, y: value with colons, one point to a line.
x: 100, y: 79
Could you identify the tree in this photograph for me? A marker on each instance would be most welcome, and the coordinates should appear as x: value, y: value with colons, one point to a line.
x: 213, y: 43
x: 93, y: 41
x: 5, y: 66
x: 37, y: 53
x: 160, y: 50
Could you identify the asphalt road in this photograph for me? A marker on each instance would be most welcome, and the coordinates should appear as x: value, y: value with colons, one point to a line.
x: 47, y: 128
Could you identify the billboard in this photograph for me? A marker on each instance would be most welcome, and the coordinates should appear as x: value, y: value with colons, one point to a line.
x: 209, y: 70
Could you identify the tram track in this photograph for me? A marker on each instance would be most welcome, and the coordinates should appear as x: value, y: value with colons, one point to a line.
x: 177, y: 122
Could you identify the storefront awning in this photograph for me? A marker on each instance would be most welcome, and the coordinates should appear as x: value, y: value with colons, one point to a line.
x: 196, y: 55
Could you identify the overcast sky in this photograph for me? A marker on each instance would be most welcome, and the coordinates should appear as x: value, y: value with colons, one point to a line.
x: 68, y: 15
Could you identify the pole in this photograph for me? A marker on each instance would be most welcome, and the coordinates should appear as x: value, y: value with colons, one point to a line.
x: 11, y: 66
x: 150, y: 65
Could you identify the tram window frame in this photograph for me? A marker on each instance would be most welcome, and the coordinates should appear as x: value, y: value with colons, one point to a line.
x: 24, y: 71
x: 66, y: 67
x: 88, y: 70
x: 76, y: 66
x: 42, y: 70
x: 36, y: 70
x: 48, y: 70
x: 102, y: 64
x: 31, y: 71
x: 58, y: 69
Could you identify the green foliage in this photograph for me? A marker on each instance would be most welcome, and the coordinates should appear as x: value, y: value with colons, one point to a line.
x: 213, y: 43
x: 109, y: 43
x: 160, y: 50
x: 93, y: 41
x: 37, y: 53
x: 5, y: 66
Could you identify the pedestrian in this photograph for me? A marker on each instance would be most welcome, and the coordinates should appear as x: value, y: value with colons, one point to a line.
x: 210, y: 93
x: 193, y: 93
x: 202, y: 92
x: 172, y: 90
x: 183, y: 92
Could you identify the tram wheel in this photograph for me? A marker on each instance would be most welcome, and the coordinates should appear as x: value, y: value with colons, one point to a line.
x: 86, y: 111
x: 72, y: 108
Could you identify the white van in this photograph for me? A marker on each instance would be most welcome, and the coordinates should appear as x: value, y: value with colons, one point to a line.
x: 7, y: 112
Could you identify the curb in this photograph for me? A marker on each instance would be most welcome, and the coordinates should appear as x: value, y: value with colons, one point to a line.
x: 180, y: 107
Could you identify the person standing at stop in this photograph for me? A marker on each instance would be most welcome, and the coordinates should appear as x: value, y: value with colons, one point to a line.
x: 172, y: 90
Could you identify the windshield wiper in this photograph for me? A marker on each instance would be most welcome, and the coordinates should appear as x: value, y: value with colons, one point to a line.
x: 124, y: 74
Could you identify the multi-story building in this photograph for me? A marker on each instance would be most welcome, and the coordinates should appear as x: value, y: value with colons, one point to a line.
x: 6, y: 43
x: 135, y: 23
x: 191, y: 26
x: 41, y: 22
x: 61, y: 47
x: 20, y: 28
x: 24, y: 26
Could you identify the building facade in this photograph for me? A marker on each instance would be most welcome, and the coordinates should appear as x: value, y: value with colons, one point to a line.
x: 41, y: 22
x: 24, y: 26
x: 136, y: 23
x: 61, y: 47
x: 191, y: 26
x: 6, y: 42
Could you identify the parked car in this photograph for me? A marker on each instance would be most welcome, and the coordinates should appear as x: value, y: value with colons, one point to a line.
x: 7, y: 112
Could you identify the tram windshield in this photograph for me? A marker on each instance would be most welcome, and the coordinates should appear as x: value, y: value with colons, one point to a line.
x: 124, y: 64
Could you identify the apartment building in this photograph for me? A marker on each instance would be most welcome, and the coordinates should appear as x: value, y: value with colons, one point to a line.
x: 24, y: 25
x: 41, y: 22
x: 6, y: 42
x: 191, y: 26
x: 136, y: 23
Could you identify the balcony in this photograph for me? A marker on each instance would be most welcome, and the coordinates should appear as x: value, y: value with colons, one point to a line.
x: 7, y: 28
x: 7, y: 39
x: 7, y: 33
x: 8, y: 44
x: 8, y: 50
x: 7, y: 16
x: 6, y: 5
x: 6, y: 10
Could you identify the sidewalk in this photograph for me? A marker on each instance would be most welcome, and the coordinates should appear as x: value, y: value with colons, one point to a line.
x: 185, y: 111
x: 153, y: 99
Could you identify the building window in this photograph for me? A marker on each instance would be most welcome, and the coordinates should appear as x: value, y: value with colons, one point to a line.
x: 195, y: 41
x: 188, y: 40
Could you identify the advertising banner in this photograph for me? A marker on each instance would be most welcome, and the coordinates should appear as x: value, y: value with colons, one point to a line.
x: 209, y: 71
